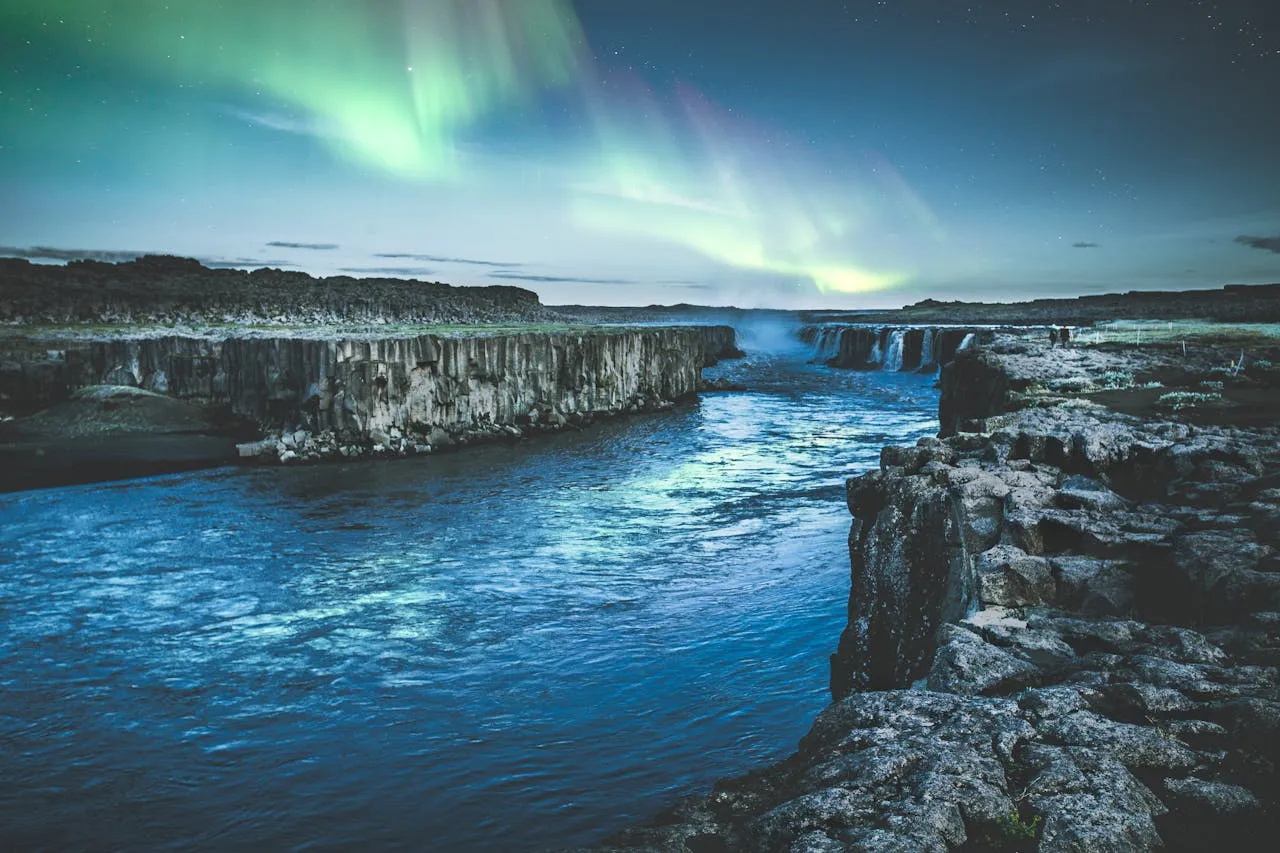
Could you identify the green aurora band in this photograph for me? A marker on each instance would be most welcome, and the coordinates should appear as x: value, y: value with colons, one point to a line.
x: 389, y: 83
x: 397, y: 84
x: 697, y: 180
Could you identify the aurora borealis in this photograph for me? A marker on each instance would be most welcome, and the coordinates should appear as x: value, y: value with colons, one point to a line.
x: 843, y: 154
x: 386, y: 84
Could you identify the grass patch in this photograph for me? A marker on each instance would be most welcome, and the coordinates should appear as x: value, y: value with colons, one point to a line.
x: 1178, y: 400
x: 1011, y: 833
x: 1139, y: 332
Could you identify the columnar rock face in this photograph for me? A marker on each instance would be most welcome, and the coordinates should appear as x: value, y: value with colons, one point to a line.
x: 719, y: 342
x: 907, y: 548
x: 973, y: 387
x: 885, y: 347
x: 1085, y: 607
x: 364, y: 385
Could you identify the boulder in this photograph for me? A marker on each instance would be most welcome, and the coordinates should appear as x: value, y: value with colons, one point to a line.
x: 1009, y: 577
x: 964, y: 663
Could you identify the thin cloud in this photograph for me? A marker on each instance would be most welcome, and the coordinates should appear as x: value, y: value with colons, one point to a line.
x: 116, y: 256
x: 318, y: 247
x: 284, y: 123
x: 241, y: 263
x: 555, y: 279
x: 1084, y: 245
x: 1266, y: 244
x: 390, y: 270
x: 439, y: 259
x: 47, y: 253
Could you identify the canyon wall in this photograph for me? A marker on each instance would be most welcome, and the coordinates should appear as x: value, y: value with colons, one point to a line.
x: 359, y: 385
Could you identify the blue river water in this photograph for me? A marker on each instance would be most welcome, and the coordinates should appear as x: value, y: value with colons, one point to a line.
x: 509, y: 648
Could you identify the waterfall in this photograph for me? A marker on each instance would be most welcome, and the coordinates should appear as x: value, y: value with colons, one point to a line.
x: 893, y: 355
x: 828, y: 343
x: 866, y: 347
x: 825, y: 341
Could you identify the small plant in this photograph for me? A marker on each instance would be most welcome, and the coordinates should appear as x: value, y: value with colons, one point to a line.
x: 1151, y: 386
x: 1116, y: 379
x: 1070, y: 384
x: 1008, y: 834
x: 1186, y: 399
x: 1211, y: 383
x: 1262, y: 364
x: 1016, y: 829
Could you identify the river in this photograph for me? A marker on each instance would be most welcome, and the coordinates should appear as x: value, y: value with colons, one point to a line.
x: 508, y: 648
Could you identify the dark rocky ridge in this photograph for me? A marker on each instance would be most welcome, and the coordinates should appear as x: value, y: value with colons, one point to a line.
x: 1239, y: 303
x: 1086, y: 607
x: 167, y: 290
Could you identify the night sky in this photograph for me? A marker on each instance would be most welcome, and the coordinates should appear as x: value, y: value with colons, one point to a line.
x: 789, y: 154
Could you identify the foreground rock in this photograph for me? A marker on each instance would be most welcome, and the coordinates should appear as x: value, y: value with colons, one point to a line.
x: 1064, y: 635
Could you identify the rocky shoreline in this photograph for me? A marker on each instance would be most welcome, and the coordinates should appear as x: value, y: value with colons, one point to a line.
x: 1064, y: 624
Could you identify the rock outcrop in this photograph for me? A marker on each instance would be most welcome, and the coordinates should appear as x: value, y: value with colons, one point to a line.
x: 1063, y: 635
x: 719, y: 342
